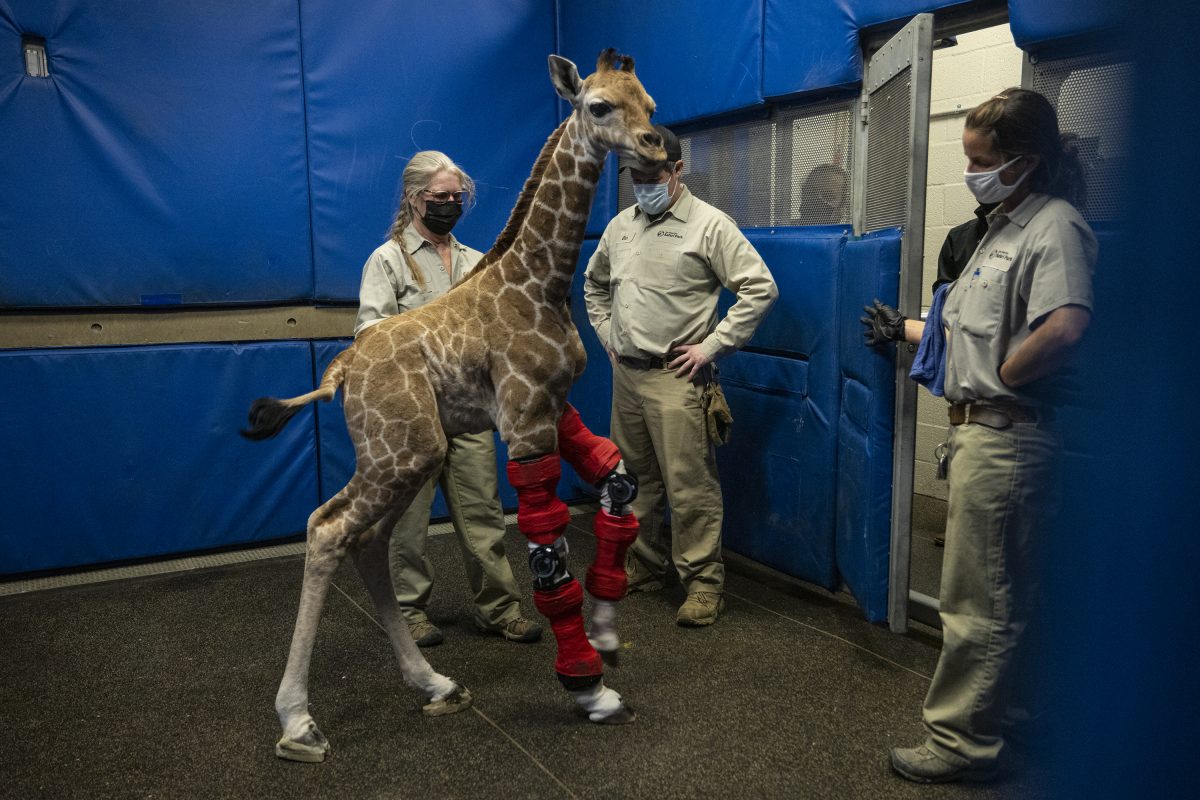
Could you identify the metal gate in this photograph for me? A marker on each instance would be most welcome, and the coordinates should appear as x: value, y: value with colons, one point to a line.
x: 891, y: 158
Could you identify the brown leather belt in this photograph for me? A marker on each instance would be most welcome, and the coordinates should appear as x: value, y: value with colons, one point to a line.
x: 641, y: 363
x: 996, y: 415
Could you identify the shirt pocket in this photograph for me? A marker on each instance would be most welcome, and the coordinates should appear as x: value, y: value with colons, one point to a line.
x: 620, y: 263
x: 657, y: 267
x: 985, y: 301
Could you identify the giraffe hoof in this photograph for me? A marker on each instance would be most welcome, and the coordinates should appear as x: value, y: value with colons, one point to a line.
x: 312, y: 750
x: 457, y: 700
x: 622, y: 716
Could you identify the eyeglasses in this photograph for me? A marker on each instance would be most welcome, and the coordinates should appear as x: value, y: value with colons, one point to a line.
x: 444, y: 197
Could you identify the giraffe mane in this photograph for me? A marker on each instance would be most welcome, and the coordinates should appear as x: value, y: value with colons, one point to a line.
x: 505, y: 240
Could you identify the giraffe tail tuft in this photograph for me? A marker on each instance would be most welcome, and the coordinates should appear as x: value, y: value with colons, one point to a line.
x: 268, y: 415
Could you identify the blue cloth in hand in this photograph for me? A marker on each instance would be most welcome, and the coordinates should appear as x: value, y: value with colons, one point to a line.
x: 929, y: 366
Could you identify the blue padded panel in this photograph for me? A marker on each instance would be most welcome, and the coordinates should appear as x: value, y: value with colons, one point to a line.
x: 378, y: 90
x: 804, y: 262
x: 808, y: 45
x: 122, y: 453
x: 784, y: 410
x: 672, y: 43
x: 162, y: 162
x: 865, y: 423
x: 778, y: 468
x: 1037, y: 25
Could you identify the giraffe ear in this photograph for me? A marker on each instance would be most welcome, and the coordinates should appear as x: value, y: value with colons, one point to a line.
x: 565, y: 77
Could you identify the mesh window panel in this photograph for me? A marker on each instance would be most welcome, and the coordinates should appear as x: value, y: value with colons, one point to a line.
x: 1092, y: 96
x: 788, y: 169
x: 888, y: 145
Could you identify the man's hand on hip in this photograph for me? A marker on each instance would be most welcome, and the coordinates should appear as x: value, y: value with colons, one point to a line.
x: 691, y: 359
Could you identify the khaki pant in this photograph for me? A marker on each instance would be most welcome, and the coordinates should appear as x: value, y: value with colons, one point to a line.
x: 469, y: 484
x: 1003, y: 488
x: 658, y: 424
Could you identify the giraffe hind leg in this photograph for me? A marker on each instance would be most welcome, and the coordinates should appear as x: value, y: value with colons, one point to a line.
x: 328, y: 528
x: 333, y: 529
x: 443, y: 695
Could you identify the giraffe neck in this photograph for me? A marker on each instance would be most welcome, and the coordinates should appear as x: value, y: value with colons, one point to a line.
x: 547, y: 247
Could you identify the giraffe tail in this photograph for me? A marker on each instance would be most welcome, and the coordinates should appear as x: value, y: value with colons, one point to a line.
x: 268, y: 415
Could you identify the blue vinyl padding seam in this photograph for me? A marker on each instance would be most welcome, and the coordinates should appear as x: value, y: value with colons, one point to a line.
x: 312, y: 245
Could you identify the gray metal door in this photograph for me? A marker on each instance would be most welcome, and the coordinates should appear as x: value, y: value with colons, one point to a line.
x: 891, y: 159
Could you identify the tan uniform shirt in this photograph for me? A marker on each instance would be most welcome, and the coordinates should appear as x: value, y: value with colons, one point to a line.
x: 1031, y: 261
x: 388, y: 286
x: 653, y: 285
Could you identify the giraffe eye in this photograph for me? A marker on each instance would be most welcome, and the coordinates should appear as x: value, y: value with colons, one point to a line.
x: 599, y: 109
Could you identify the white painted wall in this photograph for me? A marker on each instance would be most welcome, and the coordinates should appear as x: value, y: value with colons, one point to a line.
x: 981, y: 65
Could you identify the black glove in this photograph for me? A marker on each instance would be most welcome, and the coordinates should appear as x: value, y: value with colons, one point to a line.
x: 884, y: 324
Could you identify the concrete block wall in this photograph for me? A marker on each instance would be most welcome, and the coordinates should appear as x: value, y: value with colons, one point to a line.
x: 982, y: 64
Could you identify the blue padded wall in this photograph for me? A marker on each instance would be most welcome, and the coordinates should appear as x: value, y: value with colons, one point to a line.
x: 697, y: 58
x: 1040, y: 25
x: 162, y: 162
x: 783, y: 392
x: 118, y: 453
x: 378, y: 89
x: 865, y: 423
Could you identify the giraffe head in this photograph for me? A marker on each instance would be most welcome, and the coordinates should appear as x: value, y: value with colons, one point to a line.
x: 611, y: 105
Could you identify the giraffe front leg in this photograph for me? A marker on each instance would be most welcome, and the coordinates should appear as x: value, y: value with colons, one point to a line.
x: 302, y: 740
x: 597, y: 460
x: 542, y: 517
x: 442, y: 694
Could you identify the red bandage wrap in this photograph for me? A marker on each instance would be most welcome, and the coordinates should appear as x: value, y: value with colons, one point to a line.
x: 592, y: 456
x: 562, y: 606
x: 541, y: 516
x: 606, y: 578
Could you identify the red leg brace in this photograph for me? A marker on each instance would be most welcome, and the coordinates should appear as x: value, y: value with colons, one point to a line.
x: 576, y: 656
x: 541, y: 516
x: 592, y: 456
x: 606, y: 578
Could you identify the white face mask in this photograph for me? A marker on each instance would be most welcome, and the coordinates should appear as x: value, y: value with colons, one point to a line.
x: 653, y: 197
x: 987, y: 186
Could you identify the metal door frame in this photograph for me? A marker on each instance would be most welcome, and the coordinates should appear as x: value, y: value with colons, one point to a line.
x: 909, y: 49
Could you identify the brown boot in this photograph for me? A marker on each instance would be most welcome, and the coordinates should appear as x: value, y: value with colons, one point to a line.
x: 700, y: 608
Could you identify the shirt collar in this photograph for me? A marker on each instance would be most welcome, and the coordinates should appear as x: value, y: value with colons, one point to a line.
x: 414, y: 241
x: 1025, y: 211
x: 680, y: 209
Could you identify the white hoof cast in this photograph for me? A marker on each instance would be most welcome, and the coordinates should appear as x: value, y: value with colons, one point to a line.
x: 457, y: 700
x: 622, y: 716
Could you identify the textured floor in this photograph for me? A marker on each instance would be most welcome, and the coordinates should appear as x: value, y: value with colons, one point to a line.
x: 162, y: 687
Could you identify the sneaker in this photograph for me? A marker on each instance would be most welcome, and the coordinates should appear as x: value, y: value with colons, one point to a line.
x: 922, y: 765
x: 520, y: 630
x: 642, y: 579
x: 700, y: 608
x: 425, y: 633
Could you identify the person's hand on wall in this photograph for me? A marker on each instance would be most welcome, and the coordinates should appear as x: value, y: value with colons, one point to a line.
x: 884, y: 324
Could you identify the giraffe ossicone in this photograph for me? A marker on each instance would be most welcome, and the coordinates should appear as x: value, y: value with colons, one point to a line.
x: 498, y: 350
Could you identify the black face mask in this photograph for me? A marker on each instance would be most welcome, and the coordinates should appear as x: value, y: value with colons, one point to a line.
x: 440, y: 217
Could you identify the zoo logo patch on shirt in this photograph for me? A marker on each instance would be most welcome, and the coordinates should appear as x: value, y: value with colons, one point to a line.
x: 999, y: 259
x: 672, y: 234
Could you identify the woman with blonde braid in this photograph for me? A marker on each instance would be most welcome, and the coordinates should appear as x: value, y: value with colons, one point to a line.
x: 420, y: 261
